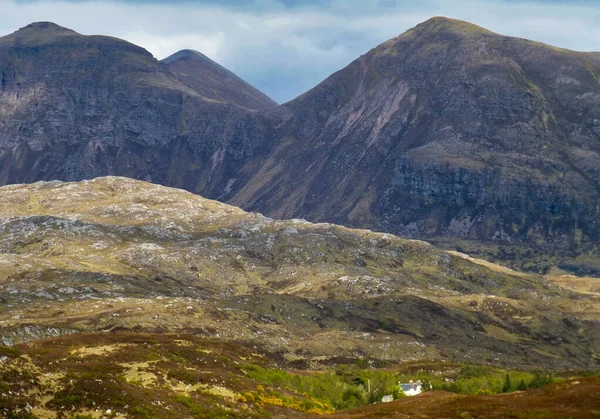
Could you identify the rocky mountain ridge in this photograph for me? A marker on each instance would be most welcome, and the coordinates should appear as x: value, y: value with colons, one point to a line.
x: 447, y: 130
x: 75, y: 107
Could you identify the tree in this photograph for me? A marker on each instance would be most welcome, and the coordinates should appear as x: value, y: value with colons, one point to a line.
x: 507, y: 384
x: 398, y: 393
x: 352, y: 397
x: 540, y: 380
x: 522, y: 386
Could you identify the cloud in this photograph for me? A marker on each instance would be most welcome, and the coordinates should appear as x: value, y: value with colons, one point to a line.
x: 164, y: 45
x: 285, y: 47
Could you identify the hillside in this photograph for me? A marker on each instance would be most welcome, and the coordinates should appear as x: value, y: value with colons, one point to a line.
x: 137, y: 375
x: 116, y: 254
x: 120, y: 297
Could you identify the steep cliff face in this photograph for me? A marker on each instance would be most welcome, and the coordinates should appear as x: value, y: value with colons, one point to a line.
x: 446, y: 130
x: 74, y: 107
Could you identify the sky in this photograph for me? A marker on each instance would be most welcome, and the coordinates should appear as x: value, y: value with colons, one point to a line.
x: 286, y: 47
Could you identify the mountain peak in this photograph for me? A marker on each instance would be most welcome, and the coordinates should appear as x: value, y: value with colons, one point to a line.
x: 45, y: 29
x: 213, y: 81
x: 438, y: 24
x: 46, y: 26
x: 196, y: 56
x: 187, y: 54
x: 38, y: 33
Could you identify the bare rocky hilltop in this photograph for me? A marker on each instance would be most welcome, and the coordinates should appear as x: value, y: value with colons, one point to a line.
x: 115, y: 254
x: 446, y: 131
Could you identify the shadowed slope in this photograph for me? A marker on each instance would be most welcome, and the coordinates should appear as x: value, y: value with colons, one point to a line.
x: 75, y: 107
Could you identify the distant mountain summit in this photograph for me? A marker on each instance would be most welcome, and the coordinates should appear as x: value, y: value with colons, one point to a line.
x: 214, y: 81
x: 448, y: 130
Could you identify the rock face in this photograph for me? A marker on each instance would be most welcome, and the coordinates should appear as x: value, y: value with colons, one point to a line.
x: 114, y: 254
x: 447, y: 130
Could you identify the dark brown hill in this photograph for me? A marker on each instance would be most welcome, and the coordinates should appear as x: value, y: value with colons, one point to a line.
x: 575, y: 397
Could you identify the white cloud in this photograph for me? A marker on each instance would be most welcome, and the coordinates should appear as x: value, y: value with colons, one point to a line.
x: 165, y: 45
x: 287, y: 51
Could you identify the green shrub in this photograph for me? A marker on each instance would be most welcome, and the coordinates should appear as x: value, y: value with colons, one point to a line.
x: 540, y: 380
x: 507, y: 385
x: 473, y: 371
x: 9, y: 351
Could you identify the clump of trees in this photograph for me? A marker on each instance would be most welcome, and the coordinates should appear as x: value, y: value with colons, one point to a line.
x: 346, y: 387
x: 474, y: 379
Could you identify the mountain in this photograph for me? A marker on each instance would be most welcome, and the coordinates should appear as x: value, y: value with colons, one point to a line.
x: 115, y: 254
x: 447, y: 132
x: 213, y: 81
x: 120, y: 297
x: 75, y: 107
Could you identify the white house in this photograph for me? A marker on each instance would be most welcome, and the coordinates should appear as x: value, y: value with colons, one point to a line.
x: 411, y: 389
